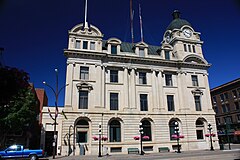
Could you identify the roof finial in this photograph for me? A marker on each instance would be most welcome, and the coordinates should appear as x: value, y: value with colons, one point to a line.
x: 176, y: 14
x: 85, y: 22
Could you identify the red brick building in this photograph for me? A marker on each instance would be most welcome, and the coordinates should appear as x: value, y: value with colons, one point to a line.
x: 226, y: 104
x: 43, y: 101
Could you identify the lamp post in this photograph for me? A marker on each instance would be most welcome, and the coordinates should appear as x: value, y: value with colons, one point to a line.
x: 141, y: 135
x: 228, y: 139
x: 176, y: 129
x: 210, y: 136
x: 56, y: 94
x: 99, y: 138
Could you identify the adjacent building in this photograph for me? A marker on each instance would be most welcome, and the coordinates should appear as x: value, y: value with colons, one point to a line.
x: 117, y: 85
x: 226, y: 103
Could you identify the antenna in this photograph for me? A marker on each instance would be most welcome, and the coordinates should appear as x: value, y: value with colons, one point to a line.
x: 140, y: 18
x: 131, y: 20
x: 85, y: 22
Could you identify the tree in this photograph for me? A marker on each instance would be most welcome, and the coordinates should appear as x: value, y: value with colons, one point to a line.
x: 17, y: 102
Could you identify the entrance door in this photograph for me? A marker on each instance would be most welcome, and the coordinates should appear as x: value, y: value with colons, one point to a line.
x: 49, y: 143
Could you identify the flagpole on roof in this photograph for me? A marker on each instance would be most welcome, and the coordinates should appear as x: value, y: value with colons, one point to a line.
x: 140, y: 18
x: 131, y: 21
x: 85, y: 21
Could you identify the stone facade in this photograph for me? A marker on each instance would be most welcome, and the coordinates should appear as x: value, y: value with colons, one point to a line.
x: 119, y: 85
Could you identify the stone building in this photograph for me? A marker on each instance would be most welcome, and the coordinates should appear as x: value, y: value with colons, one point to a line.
x: 120, y: 84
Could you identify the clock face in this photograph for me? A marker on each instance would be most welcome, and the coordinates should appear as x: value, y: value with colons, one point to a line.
x: 187, y: 33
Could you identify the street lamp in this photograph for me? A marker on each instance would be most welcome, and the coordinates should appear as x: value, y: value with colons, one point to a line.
x: 56, y: 94
x: 141, y: 135
x: 99, y: 138
x: 177, y: 132
x: 210, y: 135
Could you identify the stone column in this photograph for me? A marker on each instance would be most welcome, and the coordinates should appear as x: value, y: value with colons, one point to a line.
x: 160, y: 80
x: 69, y: 81
x: 132, y: 89
x: 155, y: 94
x: 126, y: 87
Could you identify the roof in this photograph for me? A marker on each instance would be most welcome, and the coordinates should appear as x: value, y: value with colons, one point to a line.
x: 236, y: 81
x: 177, y: 22
x: 129, y: 47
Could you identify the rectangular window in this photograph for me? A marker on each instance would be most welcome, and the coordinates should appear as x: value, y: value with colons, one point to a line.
x: 234, y: 93
x: 216, y: 109
x: 218, y: 121
x: 237, y: 107
x: 142, y: 78
x: 170, y: 103
x: 114, y: 76
x: 185, y: 47
x: 143, y: 102
x: 238, y: 117
x: 194, y: 80
x: 113, y: 101
x: 226, y: 95
x: 224, y: 110
x: 197, y: 103
x: 189, y: 48
x: 77, y: 44
x: 85, y: 44
x: 92, y: 45
x: 214, y: 99
x: 199, y: 134
x: 168, y: 78
x: 141, y: 52
x: 222, y: 97
x: 228, y: 119
x: 113, y: 49
x: 167, y: 55
x: 84, y: 73
x: 238, y: 91
x: 83, y: 99
x: 193, y: 48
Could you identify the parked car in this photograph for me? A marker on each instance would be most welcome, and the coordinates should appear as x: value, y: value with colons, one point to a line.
x: 18, y: 151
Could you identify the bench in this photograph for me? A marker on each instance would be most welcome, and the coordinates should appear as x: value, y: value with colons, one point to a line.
x: 163, y: 149
x: 133, y: 150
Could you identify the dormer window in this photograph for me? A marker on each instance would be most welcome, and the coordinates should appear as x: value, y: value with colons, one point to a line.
x: 167, y: 55
x: 113, y: 49
x: 193, y: 48
x: 77, y: 44
x: 85, y: 44
x: 141, y: 52
x: 189, y: 48
x: 92, y: 45
x: 185, y: 47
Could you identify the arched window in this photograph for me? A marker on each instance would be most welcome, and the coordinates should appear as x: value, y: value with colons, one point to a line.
x: 199, y: 129
x: 147, y: 129
x: 172, y: 126
x: 82, y: 128
x: 115, y: 131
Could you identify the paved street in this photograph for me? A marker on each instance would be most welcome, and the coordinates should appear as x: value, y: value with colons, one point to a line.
x: 233, y: 154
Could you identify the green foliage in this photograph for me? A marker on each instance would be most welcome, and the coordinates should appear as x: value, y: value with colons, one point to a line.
x: 18, y: 103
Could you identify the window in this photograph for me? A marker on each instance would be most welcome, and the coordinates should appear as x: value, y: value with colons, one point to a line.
x: 238, y: 90
x: 234, y: 93
x: 113, y: 101
x: 216, y: 109
x: 115, y: 131
x: 237, y: 107
x: 83, y: 99
x: 226, y: 95
x: 113, y: 49
x: 167, y: 55
x: 185, y: 47
x: 197, y: 103
x: 168, y: 78
x: 114, y: 76
x: 222, y: 97
x: 92, y: 45
x: 77, y: 44
x: 238, y: 117
x: 194, y: 80
x: 85, y: 44
x: 214, y: 99
x: 199, y: 129
x: 193, y: 48
x: 228, y: 119
x: 170, y: 103
x: 146, y: 125
x: 225, y: 108
x: 142, y: 78
x: 143, y: 102
x: 172, y: 129
x: 189, y: 48
x: 218, y: 121
x: 141, y: 52
x: 84, y: 73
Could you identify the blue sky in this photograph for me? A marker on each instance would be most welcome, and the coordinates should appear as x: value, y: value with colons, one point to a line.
x: 34, y: 33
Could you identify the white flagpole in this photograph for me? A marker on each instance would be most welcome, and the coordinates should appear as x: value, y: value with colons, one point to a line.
x: 85, y: 22
x: 140, y: 17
